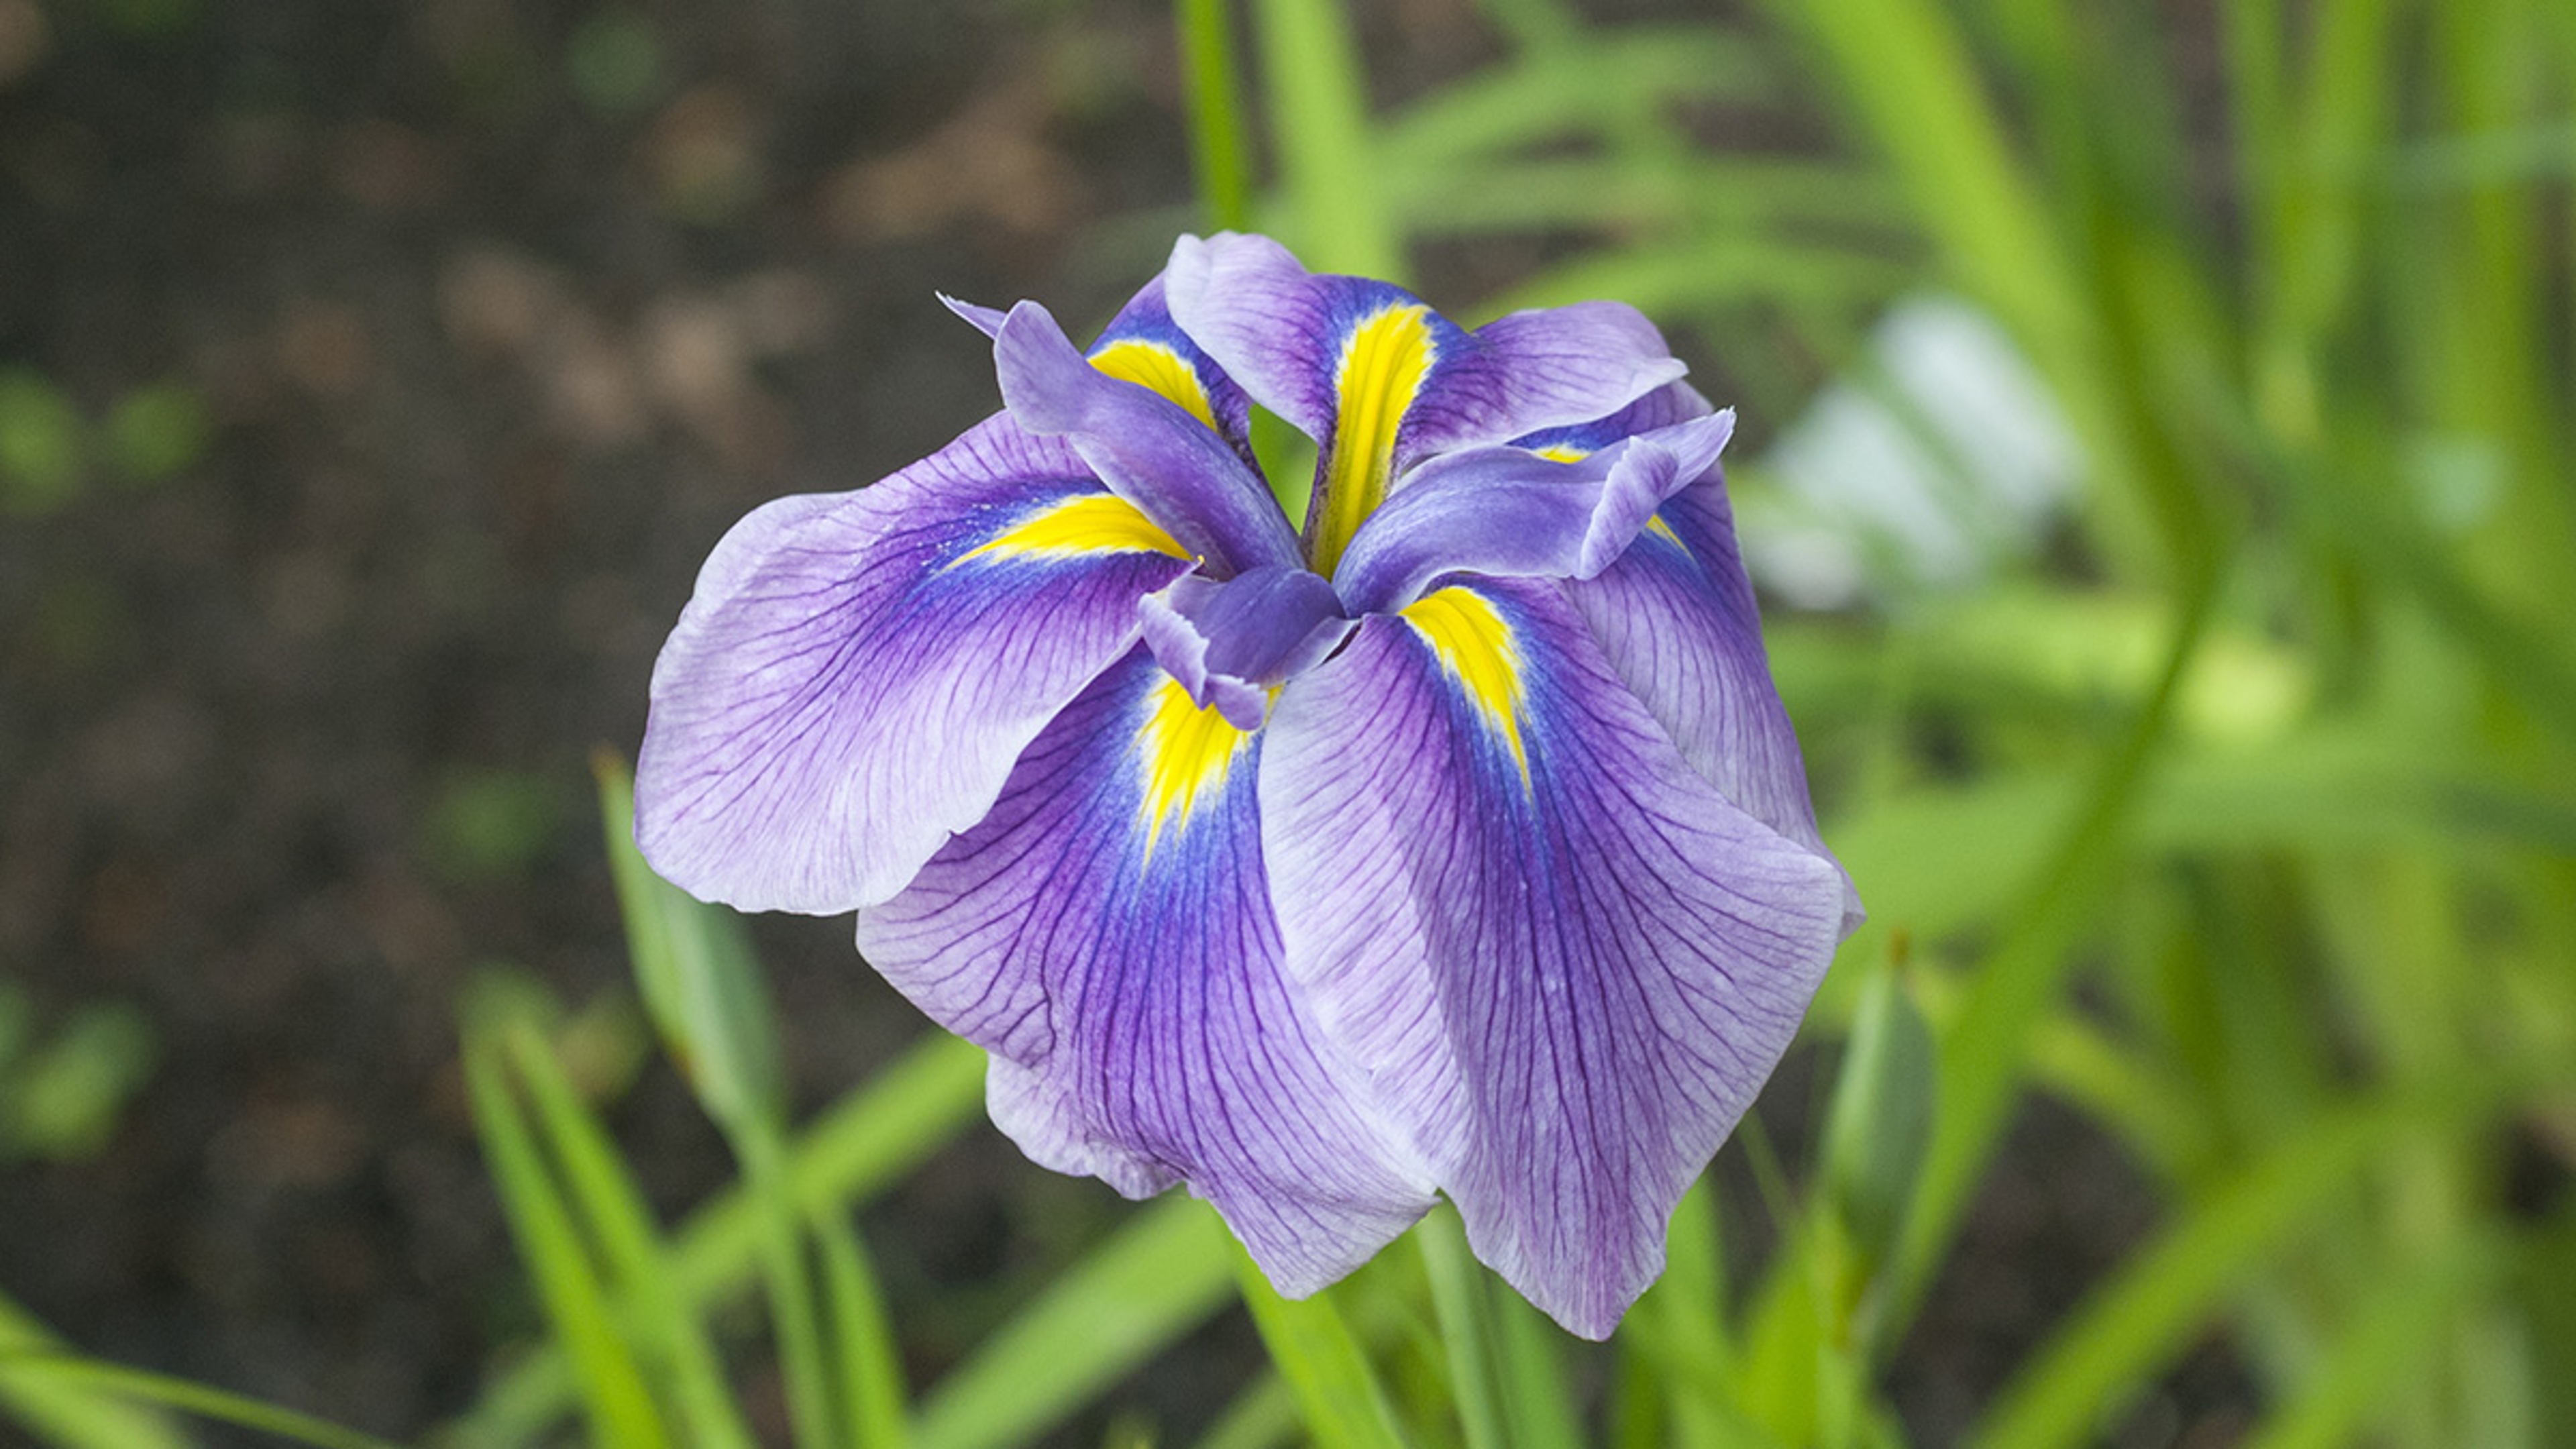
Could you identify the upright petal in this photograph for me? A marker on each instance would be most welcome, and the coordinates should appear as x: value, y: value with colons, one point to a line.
x: 1150, y: 450
x: 856, y: 672
x: 1107, y: 933
x: 1565, y: 960
x: 1143, y: 345
x: 1381, y: 382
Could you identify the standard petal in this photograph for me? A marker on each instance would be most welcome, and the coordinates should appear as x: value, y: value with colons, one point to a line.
x: 856, y: 672
x: 1381, y: 382
x: 1519, y: 514
x: 1565, y: 960
x: 1106, y: 932
x: 1181, y: 471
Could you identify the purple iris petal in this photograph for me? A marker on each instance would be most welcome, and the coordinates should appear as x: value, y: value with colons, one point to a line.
x: 853, y: 679
x: 987, y: 320
x: 1566, y: 961
x: 1507, y: 511
x: 1106, y: 931
x: 1280, y: 330
x: 1677, y: 619
x: 1151, y: 452
x: 1228, y: 642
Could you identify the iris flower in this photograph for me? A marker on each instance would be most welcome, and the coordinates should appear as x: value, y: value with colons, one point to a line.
x: 1457, y: 846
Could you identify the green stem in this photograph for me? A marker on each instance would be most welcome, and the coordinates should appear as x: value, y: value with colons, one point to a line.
x: 1218, y: 155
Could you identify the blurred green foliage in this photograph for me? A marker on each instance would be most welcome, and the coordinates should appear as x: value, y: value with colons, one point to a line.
x: 63, y: 1089
x: 49, y: 451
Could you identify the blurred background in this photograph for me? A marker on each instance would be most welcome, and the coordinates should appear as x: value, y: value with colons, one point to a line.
x: 2154, y: 456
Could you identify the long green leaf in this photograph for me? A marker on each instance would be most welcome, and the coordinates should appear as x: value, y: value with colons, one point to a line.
x: 57, y: 1405
x: 620, y: 1408
x: 612, y: 1207
x: 2151, y: 1309
x: 1169, y: 1269
x: 121, y: 1382
x: 863, y: 1144
x: 1338, y: 1394
x: 1319, y: 128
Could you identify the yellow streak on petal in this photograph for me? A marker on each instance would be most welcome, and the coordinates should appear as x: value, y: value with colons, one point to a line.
x: 1086, y: 523
x: 1383, y: 363
x: 1153, y: 365
x: 1476, y: 646
x: 1185, y: 752
x: 1663, y: 530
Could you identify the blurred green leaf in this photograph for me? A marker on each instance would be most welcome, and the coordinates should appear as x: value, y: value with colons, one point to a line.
x: 1338, y: 1394
x: 614, y: 1213
x: 157, y: 432
x: 1166, y: 1271
x: 68, y: 1092
x: 1880, y: 1122
x: 40, y: 444
x: 490, y: 824
x: 862, y: 1145
x: 620, y: 1409
x: 615, y: 61
x: 2128, y: 1327
x: 694, y: 966
x: 121, y: 1383
x: 1319, y: 126
x: 65, y: 1409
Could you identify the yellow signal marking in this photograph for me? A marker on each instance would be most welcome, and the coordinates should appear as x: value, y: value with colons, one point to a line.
x: 1086, y: 523
x: 1185, y: 751
x: 1156, y: 366
x: 1476, y: 646
x: 1382, y: 367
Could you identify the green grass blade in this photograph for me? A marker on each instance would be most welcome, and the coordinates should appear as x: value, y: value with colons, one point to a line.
x: 1537, y: 1401
x: 871, y: 1367
x: 694, y: 966
x: 186, y: 1395
x: 1587, y: 88
x: 613, y: 1209
x: 56, y: 1406
x: 1169, y: 1269
x: 1319, y: 127
x: 1462, y: 1299
x: 864, y: 1143
x: 795, y: 1318
x: 1263, y: 1416
x: 2134, y: 1323
x: 2392, y: 1334
x: 1218, y: 154
x: 1338, y: 1394
x: 620, y: 1409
